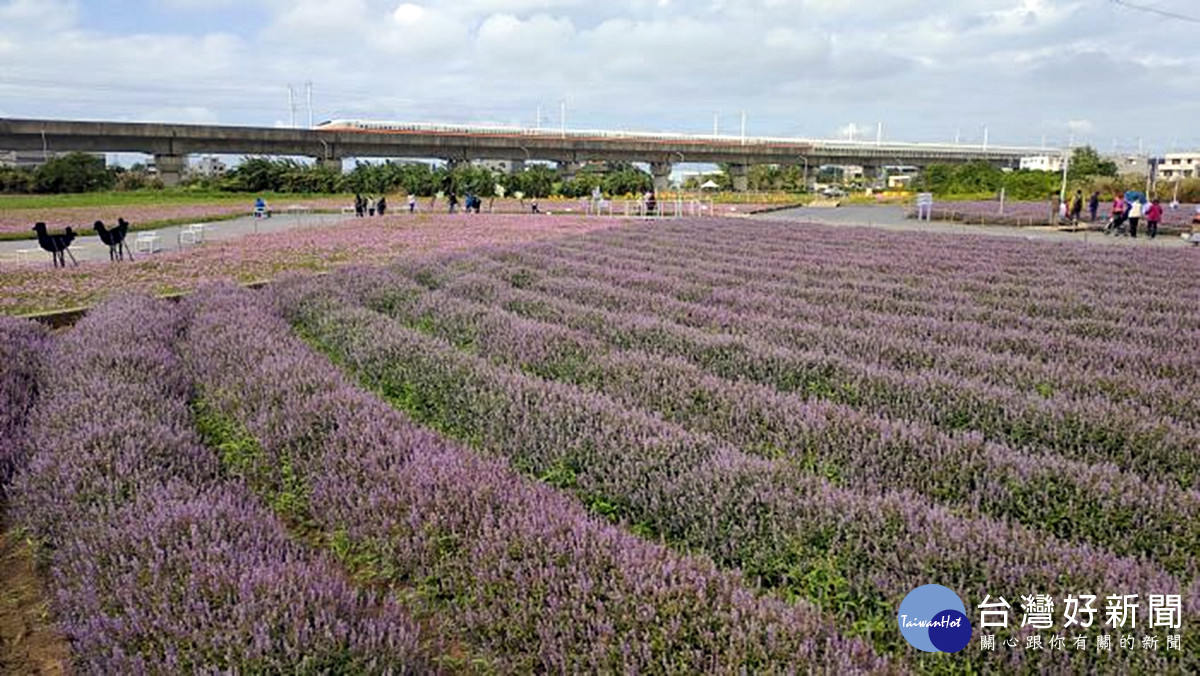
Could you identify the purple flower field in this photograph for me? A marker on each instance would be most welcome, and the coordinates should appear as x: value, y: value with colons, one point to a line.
x: 1038, y: 213
x: 697, y: 446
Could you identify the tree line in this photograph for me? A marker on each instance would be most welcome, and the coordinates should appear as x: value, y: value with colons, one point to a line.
x: 76, y: 172
x: 1086, y: 171
x: 81, y: 172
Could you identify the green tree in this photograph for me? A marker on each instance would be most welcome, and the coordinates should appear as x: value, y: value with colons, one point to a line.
x: 581, y: 185
x: 628, y: 180
x: 1085, y: 162
x: 937, y: 179
x: 76, y: 172
x: 537, y: 180
x: 14, y: 180
x: 1031, y: 185
x: 256, y: 174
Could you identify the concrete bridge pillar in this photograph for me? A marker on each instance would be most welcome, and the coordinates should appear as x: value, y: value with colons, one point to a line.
x: 661, y: 171
x: 330, y: 163
x: 741, y: 179
x: 170, y: 168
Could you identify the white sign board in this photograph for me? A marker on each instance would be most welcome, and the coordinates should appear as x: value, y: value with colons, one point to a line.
x: 925, y: 206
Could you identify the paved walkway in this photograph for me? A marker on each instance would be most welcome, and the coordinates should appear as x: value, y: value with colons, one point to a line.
x: 90, y: 248
x: 893, y: 218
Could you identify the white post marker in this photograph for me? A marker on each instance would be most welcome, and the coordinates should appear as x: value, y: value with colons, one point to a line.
x: 1065, y: 164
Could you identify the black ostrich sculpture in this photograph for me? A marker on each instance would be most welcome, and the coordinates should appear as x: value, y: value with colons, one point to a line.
x: 115, y: 239
x: 58, y: 245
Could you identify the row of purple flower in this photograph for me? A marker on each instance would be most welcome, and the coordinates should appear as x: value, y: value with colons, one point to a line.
x: 609, y: 352
x: 163, y: 556
x: 855, y: 550
x: 158, y: 563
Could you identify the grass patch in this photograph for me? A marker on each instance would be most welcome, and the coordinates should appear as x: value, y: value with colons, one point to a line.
x: 149, y: 198
x: 133, y: 227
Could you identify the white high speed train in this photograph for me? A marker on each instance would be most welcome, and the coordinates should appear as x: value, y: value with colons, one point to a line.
x: 368, y: 126
x: 674, y: 139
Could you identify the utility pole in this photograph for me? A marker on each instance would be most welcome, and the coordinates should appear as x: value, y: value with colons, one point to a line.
x: 539, y: 118
x: 743, y: 127
x: 1066, y: 163
x: 716, y: 123
x: 292, y: 105
x: 879, y: 134
x: 308, y: 87
x: 985, y: 137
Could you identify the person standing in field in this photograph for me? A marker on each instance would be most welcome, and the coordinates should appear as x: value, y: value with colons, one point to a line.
x: 1077, y: 207
x: 1153, y: 218
x: 412, y: 203
x: 1136, y: 209
x: 1094, y: 205
x: 1117, y: 217
x: 382, y: 206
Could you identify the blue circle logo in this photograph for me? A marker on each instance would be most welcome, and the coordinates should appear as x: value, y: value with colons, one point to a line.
x: 932, y: 618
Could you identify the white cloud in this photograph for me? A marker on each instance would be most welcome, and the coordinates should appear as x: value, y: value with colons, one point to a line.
x: 1081, y: 127
x: 46, y: 15
x: 1023, y: 67
x: 197, y: 4
x: 518, y: 45
x: 408, y: 14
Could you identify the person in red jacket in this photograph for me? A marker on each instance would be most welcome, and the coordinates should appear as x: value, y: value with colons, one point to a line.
x: 1116, y: 220
x: 1153, y: 218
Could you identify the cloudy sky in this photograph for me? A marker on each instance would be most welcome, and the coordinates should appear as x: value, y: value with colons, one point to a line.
x: 1099, y: 70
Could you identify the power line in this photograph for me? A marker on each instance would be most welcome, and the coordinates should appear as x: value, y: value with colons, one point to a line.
x: 1157, y: 11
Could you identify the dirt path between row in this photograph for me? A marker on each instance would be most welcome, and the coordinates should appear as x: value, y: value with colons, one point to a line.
x: 29, y: 642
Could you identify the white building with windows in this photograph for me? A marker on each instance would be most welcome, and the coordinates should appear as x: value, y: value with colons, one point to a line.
x: 1180, y: 165
x: 208, y: 165
x: 1042, y: 163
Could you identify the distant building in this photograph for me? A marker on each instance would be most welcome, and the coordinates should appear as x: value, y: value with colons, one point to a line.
x: 209, y: 166
x: 1042, y: 163
x: 850, y: 172
x: 32, y: 159
x: 1132, y: 164
x: 1180, y: 165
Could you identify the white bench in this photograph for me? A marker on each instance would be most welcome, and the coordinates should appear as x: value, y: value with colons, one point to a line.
x: 191, y: 234
x: 147, y: 242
